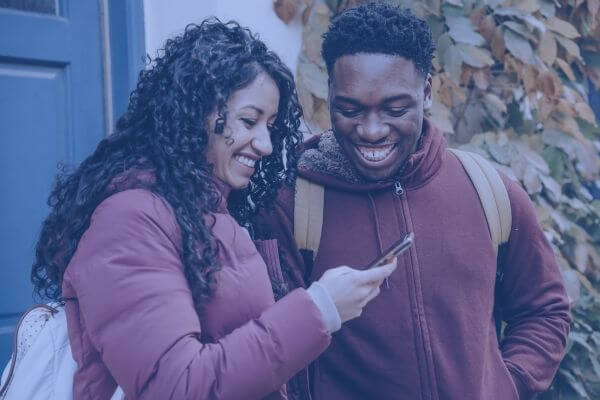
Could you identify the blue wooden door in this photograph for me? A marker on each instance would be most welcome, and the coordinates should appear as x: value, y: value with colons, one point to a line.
x: 51, y: 111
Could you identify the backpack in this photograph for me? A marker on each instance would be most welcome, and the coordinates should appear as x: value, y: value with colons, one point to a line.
x: 310, y: 199
x: 41, y: 366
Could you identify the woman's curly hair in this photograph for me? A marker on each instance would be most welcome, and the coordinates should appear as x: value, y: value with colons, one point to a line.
x: 165, y: 131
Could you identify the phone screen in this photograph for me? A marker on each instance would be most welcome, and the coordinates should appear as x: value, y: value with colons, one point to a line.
x: 394, y: 251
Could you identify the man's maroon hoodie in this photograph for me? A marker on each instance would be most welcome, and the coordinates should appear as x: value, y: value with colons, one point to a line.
x: 430, y: 334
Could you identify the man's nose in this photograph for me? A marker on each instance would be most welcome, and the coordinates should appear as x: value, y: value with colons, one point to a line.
x: 373, y: 129
x: 262, y: 142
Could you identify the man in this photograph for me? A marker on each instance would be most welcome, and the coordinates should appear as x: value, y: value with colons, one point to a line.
x: 430, y: 334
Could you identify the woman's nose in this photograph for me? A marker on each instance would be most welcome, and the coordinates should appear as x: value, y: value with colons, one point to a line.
x: 262, y: 142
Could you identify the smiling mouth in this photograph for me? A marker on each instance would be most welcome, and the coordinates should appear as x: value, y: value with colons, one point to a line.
x: 375, y: 154
x: 247, y: 161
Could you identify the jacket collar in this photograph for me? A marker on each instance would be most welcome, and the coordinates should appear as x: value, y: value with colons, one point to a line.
x: 224, y: 189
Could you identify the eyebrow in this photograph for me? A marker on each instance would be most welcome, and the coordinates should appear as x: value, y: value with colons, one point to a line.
x: 386, y: 100
x: 258, y: 110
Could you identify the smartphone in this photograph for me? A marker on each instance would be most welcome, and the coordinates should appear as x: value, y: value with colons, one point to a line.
x: 397, y: 248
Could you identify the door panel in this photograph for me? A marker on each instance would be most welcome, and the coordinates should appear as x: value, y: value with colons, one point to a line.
x: 51, y: 108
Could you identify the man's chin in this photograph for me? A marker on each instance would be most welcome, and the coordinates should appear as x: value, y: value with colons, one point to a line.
x: 375, y: 174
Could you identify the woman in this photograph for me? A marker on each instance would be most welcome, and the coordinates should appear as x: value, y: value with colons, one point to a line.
x: 166, y: 294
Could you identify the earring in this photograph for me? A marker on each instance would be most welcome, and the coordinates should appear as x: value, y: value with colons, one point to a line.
x: 219, y: 125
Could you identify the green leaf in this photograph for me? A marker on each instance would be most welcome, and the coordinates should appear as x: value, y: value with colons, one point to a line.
x: 443, y: 44
x: 556, y: 161
x: 509, y: 12
x: 570, y: 46
x: 532, y: 180
x: 474, y: 56
x: 592, y: 59
x: 581, y: 339
x: 449, y: 10
x: 547, y: 8
x: 560, y: 140
x: 519, y: 29
x: 495, y: 108
x: 493, y: 3
x: 519, y: 47
x: 498, y: 153
x: 453, y: 63
x: 574, y: 383
x: 461, y: 29
x: 552, y: 188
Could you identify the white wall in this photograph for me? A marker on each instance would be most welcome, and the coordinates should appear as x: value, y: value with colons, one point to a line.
x: 164, y: 18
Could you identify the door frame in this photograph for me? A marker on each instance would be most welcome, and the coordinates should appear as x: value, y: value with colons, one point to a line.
x: 124, y: 50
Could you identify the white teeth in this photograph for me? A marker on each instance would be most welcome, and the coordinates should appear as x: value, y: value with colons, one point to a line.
x: 246, y: 161
x: 375, y: 153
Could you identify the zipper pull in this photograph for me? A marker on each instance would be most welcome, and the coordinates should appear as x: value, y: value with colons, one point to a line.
x: 398, y: 189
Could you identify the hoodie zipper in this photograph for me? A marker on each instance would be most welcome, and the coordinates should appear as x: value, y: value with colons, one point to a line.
x: 398, y: 189
x: 429, y: 392
x: 308, y: 384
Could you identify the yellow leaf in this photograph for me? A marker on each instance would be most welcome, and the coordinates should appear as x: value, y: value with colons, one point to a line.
x: 584, y: 111
x: 532, y: 181
x: 593, y: 8
x: 481, y: 79
x: 498, y: 44
x: 487, y: 27
x: 563, y: 27
x: 441, y: 116
x: 566, y: 68
x: 308, y: 4
x: 570, y: 46
x: 547, y: 48
x: 285, y: 9
x: 569, y: 125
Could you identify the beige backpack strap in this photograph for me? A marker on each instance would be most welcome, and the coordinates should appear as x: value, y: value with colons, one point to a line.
x: 308, y: 214
x: 492, y: 194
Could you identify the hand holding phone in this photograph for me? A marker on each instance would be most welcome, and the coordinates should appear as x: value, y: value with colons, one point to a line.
x: 394, y: 251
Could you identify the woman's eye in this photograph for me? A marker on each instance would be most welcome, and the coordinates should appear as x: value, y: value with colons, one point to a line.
x: 248, y: 122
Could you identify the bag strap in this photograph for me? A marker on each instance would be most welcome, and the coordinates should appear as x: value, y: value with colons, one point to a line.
x: 13, y: 361
x: 492, y: 194
x: 310, y: 199
x: 308, y: 214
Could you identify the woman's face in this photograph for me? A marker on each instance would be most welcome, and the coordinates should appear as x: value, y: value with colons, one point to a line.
x: 246, y: 137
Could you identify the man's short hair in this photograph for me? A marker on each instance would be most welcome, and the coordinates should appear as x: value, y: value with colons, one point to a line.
x: 379, y: 28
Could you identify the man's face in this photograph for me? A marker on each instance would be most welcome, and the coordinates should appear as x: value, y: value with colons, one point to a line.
x: 376, y: 103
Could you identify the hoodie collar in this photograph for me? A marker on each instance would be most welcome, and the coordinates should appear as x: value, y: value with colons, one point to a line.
x: 323, y: 161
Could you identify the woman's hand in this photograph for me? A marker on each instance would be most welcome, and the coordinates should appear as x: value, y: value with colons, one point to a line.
x: 351, y: 289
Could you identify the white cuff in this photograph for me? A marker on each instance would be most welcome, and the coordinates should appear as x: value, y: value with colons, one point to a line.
x: 325, y: 304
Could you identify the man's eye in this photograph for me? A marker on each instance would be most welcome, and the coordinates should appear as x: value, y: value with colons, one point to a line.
x: 396, y: 112
x: 248, y: 122
x: 349, y: 112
